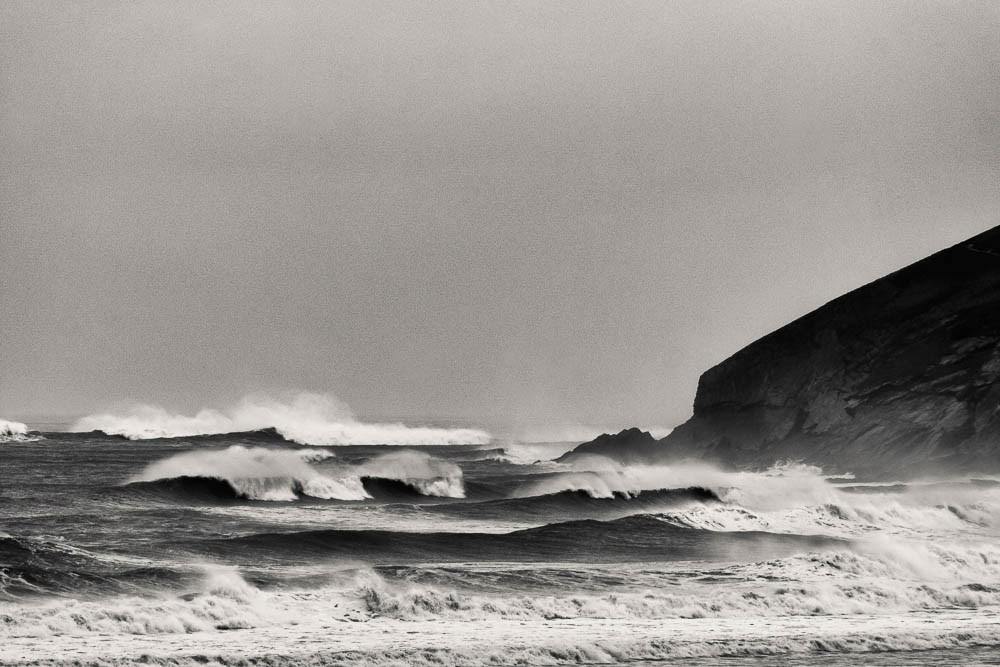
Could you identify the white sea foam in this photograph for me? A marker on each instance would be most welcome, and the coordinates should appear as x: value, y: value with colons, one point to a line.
x: 306, y: 418
x: 784, y: 485
x: 222, y: 600
x: 429, y: 475
x: 503, y: 643
x: 848, y: 517
x: 876, y: 576
x: 9, y: 428
x: 527, y: 453
x: 258, y: 473
x: 262, y: 473
x: 15, y: 432
x: 842, y: 601
x: 880, y: 582
x: 823, y: 598
x: 788, y: 498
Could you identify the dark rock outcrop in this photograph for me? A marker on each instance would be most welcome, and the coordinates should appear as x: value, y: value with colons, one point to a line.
x: 630, y: 445
x: 899, y: 377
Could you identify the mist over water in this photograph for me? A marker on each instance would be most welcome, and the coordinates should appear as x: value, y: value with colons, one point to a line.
x: 306, y: 418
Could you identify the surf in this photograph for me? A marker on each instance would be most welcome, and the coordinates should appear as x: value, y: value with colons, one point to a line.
x: 305, y: 418
x: 11, y: 431
x: 287, y: 475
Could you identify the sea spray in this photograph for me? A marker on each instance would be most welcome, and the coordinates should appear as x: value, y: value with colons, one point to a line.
x: 428, y: 475
x: 222, y: 600
x: 261, y: 473
x: 11, y: 431
x: 306, y: 418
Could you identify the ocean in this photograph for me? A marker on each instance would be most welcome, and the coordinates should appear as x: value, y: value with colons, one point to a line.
x: 251, y: 548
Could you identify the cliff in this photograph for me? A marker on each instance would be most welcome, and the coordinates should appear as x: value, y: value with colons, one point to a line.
x: 898, y: 377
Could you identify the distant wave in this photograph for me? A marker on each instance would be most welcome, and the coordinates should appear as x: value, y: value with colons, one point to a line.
x: 213, y: 490
x: 789, y: 498
x: 428, y: 475
x: 574, y: 433
x: 306, y: 418
x: 260, y: 473
x: 16, y: 432
x: 786, y: 485
x: 492, y: 454
x: 519, y: 453
x: 9, y: 428
x: 197, y: 489
x: 846, y: 519
x: 634, y: 538
x: 256, y: 473
x: 567, y: 505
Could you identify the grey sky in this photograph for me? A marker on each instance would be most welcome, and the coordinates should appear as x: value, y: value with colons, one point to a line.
x: 528, y: 211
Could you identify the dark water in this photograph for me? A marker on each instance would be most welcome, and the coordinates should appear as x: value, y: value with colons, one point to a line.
x: 143, y: 542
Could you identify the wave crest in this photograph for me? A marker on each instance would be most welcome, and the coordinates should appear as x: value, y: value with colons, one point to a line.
x: 305, y: 418
x: 428, y: 475
x: 15, y: 432
x: 785, y: 485
x: 221, y: 601
x: 261, y: 473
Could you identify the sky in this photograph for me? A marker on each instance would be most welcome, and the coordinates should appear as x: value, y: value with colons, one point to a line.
x: 558, y: 212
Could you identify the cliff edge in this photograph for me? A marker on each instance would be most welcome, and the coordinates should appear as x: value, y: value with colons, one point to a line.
x: 899, y: 376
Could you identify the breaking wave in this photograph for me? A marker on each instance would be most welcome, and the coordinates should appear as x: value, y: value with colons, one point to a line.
x: 783, y: 485
x: 16, y: 432
x: 851, y: 517
x: 568, y: 505
x: 836, y: 583
x: 220, y: 600
x: 842, y: 596
x: 788, y: 498
x: 428, y: 475
x: 306, y: 418
x: 256, y: 473
x: 260, y: 473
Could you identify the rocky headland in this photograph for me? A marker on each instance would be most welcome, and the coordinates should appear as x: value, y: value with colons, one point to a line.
x: 898, y: 377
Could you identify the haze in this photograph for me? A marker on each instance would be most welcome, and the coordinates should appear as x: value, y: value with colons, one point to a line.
x: 555, y: 212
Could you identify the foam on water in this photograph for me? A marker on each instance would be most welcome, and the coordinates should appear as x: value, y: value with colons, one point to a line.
x: 428, y: 475
x: 717, y: 563
x: 305, y: 418
x: 11, y: 431
x: 577, y: 642
x: 788, y: 498
x: 260, y: 473
x: 879, y: 582
x: 222, y: 601
x: 849, y: 517
x: 257, y: 473
x: 602, y: 477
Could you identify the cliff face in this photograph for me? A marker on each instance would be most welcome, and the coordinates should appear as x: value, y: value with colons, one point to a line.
x: 901, y: 376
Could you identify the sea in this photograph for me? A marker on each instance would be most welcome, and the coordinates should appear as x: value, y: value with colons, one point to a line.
x: 156, y: 542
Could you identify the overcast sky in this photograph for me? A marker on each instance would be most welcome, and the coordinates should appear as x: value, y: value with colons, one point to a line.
x: 560, y: 211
